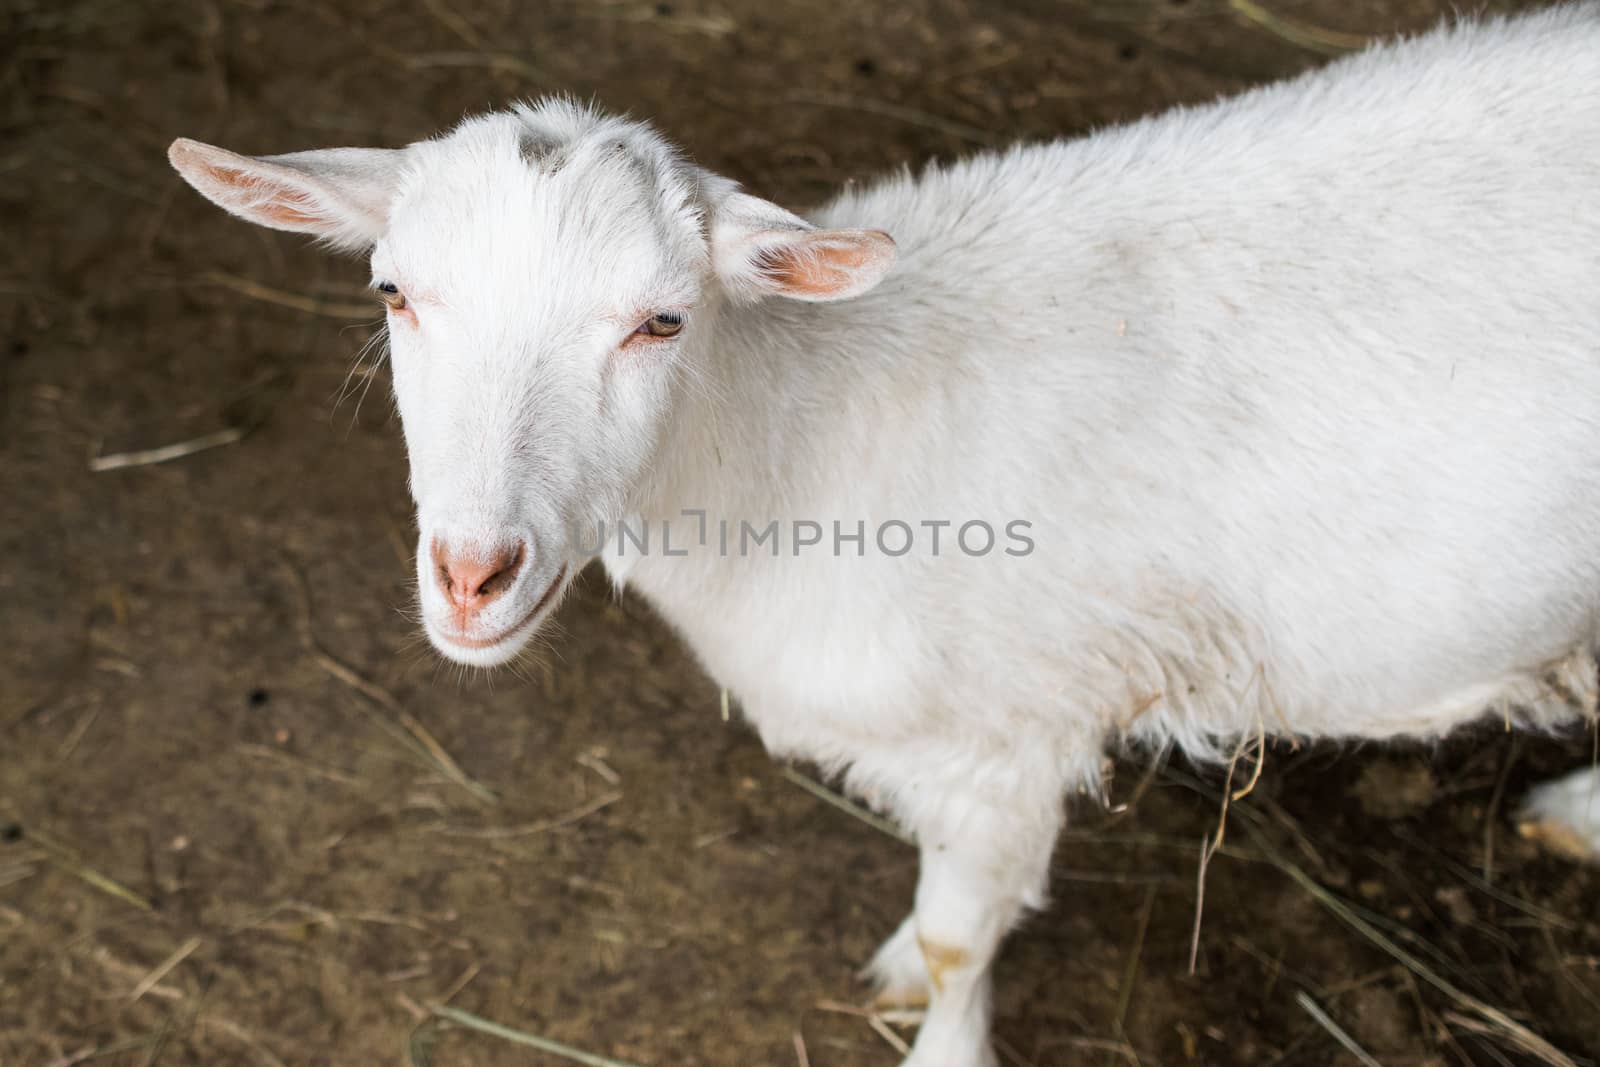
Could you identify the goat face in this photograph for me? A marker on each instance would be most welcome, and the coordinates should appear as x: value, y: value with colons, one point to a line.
x: 549, y: 275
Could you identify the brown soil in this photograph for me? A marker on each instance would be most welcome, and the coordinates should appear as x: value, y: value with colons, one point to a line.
x: 167, y: 733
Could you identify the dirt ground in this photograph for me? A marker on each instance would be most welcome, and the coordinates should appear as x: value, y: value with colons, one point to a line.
x: 232, y: 827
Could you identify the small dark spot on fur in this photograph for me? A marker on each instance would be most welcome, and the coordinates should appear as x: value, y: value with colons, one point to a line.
x: 11, y: 832
x: 866, y: 67
x: 542, y: 155
x: 1128, y: 53
x: 258, y: 697
x: 664, y: 10
x: 19, y: 348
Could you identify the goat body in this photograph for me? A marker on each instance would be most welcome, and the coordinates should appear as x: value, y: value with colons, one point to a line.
x: 1280, y: 414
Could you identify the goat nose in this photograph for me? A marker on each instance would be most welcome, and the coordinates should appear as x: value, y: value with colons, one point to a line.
x: 473, y: 580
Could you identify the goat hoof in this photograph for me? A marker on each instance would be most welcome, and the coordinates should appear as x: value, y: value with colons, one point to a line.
x: 898, y: 972
x: 1564, y: 815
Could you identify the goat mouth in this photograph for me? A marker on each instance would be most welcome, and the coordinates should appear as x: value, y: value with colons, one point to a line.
x: 478, y: 643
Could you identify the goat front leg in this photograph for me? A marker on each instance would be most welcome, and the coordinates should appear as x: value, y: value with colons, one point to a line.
x: 982, y: 868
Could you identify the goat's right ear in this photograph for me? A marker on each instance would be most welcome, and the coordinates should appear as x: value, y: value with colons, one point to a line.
x: 758, y: 248
x: 341, y: 195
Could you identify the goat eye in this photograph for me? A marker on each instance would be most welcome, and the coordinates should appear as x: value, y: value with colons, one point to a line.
x: 662, y: 324
x: 390, y: 293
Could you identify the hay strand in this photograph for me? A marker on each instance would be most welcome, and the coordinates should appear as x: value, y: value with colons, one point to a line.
x: 849, y: 807
x: 311, y: 305
x: 1302, y: 34
x: 164, y: 968
x: 403, y: 727
x: 470, y: 1021
x: 1325, y: 1021
x: 68, y: 861
x: 145, y: 457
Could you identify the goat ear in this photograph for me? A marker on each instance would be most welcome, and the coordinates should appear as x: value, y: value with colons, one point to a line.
x: 340, y: 194
x: 758, y: 248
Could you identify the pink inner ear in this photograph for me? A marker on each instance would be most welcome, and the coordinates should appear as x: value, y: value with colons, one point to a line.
x: 815, y: 268
x: 282, y: 205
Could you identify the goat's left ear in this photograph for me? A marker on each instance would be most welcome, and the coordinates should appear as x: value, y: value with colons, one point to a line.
x: 758, y: 248
x: 341, y: 195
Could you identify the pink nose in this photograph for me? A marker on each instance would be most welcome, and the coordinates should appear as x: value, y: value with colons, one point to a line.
x: 474, y: 580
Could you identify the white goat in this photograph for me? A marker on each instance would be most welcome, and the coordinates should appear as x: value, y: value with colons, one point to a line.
x: 1278, y: 415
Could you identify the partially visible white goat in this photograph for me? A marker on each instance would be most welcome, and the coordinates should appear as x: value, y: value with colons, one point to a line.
x: 1279, y: 415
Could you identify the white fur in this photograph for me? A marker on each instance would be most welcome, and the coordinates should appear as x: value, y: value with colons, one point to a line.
x: 1565, y: 813
x: 1300, y: 393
